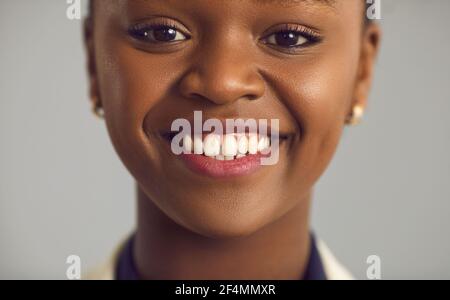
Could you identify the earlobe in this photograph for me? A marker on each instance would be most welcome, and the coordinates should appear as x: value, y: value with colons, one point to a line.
x: 98, y: 111
x: 356, y: 115
x: 91, y: 67
x: 369, y: 49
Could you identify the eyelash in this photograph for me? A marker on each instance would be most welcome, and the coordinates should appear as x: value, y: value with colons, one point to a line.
x: 311, y: 36
x: 141, y: 32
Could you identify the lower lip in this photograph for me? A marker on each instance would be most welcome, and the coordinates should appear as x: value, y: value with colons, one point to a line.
x: 222, y: 168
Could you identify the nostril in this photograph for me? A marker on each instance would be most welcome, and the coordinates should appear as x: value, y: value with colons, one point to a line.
x: 252, y: 97
x: 200, y: 97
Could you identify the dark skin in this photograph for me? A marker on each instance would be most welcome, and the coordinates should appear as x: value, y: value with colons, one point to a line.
x: 223, y: 62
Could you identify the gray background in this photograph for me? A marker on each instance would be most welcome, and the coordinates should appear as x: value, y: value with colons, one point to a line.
x: 64, y: 191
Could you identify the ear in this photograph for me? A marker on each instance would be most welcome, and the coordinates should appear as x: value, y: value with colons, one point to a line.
x: 88, y: 35
x: 370, y: 44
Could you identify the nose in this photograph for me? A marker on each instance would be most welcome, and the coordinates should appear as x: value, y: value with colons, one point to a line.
x: 222, y: 75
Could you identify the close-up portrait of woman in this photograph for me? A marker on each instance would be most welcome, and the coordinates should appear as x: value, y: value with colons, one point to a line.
x: 225, y: 140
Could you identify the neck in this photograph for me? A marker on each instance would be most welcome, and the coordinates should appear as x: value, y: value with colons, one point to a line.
x: 165, y: 250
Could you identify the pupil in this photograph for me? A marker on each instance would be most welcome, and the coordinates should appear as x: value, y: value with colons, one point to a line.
x: 164, y: 34
x: 286, y: 38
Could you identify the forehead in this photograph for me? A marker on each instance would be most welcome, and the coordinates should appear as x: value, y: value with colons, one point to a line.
x: 221, y: 10
x: 260, y: 3
x: 329, y: 3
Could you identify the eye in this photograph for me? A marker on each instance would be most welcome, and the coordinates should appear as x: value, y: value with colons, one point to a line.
x: 287, y: 39
x: 292, y: 36
x: 157, y: 33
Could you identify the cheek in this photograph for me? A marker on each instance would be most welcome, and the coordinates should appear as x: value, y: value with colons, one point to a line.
x: 326, y: 90
x: 319, y: 96
x: 131, y: 84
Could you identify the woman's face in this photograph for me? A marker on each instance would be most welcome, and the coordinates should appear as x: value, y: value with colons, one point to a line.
x: 305, y: 63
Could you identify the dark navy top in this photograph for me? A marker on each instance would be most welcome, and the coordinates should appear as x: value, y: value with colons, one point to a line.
x: 126, y: 268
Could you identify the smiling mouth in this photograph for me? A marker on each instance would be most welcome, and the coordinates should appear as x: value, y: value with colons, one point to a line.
x: 227, y: 155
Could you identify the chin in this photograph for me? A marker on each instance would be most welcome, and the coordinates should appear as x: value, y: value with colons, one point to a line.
x: 226, y: 230
x: 225, y: 219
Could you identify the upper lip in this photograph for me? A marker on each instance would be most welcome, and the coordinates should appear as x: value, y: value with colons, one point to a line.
x: 167, y: 133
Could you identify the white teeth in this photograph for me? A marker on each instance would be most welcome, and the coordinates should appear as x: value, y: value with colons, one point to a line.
x: 253, y: 143
x: 187, y: 143
x: 242, y: 144
x: 198, y: 144
x: 211, y: 145
x: 229, y: 145
x: 263, y: 143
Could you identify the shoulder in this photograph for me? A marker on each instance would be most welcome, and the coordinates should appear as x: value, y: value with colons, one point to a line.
x: 334, y: 270
x: 106, y: 270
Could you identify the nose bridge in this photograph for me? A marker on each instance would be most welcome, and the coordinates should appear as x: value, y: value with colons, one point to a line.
x: 223, y: 70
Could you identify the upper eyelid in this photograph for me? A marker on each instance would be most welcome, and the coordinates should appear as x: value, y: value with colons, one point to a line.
x: 158, y: 21
x: 293, y: 27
